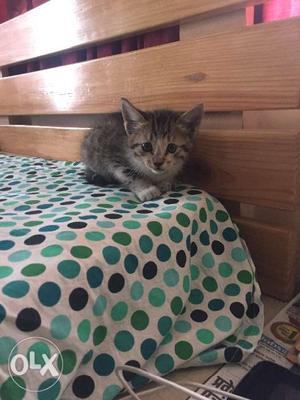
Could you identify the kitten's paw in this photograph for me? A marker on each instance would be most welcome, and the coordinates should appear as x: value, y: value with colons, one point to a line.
x: 149, y: 193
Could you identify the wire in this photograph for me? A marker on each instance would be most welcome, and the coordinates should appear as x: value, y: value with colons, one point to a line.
x: 164, y: 382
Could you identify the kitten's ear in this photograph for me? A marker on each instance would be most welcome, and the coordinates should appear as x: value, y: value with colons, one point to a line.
x: 132, y: 116
x: 191, y: 120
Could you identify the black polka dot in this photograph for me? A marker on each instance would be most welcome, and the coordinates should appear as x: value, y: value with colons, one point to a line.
x: 194, y: 249
x: 204, y: 238
x: 144, y: 211
x: 217, y: 247
x: 116, y: 283
x: 171, y: 201
x: 35, y: 239
x: 97, y: 194
x: 5, y: 189
x: 28, y: 320
x: 67, y: 203
x: 78, y: 299
x: 233, y: 354
x: 83, y: 386
x: 128, y: 376
x: 237, y: 309
x: 194, y: 192
x: 113, y: 216
x: 34, y: 212
x: 181, y: 258
x: 150, y: 270
x: 77, y: 225
x: 252, y: 310
x: 199, y: 316
x: 62, y: 189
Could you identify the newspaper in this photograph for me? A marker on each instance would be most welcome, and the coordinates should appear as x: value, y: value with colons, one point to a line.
x: 280, y: 343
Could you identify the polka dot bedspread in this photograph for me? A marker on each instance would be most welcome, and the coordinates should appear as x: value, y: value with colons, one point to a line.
x: 95, y: 279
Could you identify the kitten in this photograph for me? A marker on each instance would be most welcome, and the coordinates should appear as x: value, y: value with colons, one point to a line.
x: 143, y: 151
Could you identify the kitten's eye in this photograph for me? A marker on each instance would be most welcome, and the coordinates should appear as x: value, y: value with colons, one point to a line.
x: 147, y: 147
x: 171, y: 148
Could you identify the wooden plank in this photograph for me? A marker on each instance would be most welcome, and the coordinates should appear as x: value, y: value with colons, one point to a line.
x: 46, y: 142
x: 280, y: 119
x: 254, y: 68
x: 273, y: 251
x: 60, y: 25
x: 199, y: 26
x: 256, y: 167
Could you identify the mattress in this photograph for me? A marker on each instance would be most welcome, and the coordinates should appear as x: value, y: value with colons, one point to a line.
x: 92, y: 279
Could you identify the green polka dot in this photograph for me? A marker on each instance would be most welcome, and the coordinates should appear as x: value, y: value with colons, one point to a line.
x: 106, y: 224
x: 209, y: 356
x: 87, y: 357
x: 49, y: 389
x: 183, y: 220
x: 67, y: 362
x: 238, y: 254
x: 196, y: 296
x: 190, y: 206
x: 182, y: 326
x: 225, y: 269
x: 81, y: 252
x: 111, y: 392
x: 146, y: 244
x: 171, y: 277
x: 164, y: 325
x: 39, y: 348
x: 232, y: 289
x: 186, y: 284
x: 176, y: 305
x: 252, y: 330
x: 124, y: 341
x: 210, y: 205
x: 99, y: 306
x: 99, y: 335
x: 155, y: 228
x: 33, y: 269
x: 222, y: 216
x: 67, y: 235
x: 157, y: 297
x: 20, y: 255
x: 164, y: 363
x: 94, y: 236
x: 213, y: 227
x: 208, y: 260
x: 13, y: 389
x: 245, y: 277
x: 231, y: 339
x: 195, y: 227
x: 245, y: 344
x: 195, y: 272
x: 16, y: 289
x: 163, y: 252
x: 122, y: 238
x: 84, y: 330
x: 119, y: 311
x: 69, y: 268
x: 131, y: 224
x: 52, y: 251
x: 60, y: 327
x: 203, y: 215
x: 223, y: 323
x: 164, y: 215
x: 139, y: 320
x: 184, y: 350
x: 175, y: 234
x: 6, y: 345
x: 205, y: 336
x: 210, y: 284
x: 137, y: 291
x: 5, y: 271
x: 111, y: 255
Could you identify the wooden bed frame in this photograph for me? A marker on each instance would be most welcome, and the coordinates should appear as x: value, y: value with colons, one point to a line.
x: 238, y: 72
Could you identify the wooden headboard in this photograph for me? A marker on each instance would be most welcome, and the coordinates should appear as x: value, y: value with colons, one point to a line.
x: 236, y: 71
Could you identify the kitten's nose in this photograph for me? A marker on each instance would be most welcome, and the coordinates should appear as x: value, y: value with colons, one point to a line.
x: 158, y: 164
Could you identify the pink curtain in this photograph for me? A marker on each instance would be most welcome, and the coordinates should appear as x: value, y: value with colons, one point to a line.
x: 12, y: 8
x: 280, y: 9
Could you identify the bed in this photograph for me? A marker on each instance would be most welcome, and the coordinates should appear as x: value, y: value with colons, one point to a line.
x: 94, y: 278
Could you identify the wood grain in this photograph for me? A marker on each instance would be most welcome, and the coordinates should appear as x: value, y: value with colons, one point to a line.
x: 60, y: 25
x: 253, y: 68
x: 256, y: 167
x: 273, y: 251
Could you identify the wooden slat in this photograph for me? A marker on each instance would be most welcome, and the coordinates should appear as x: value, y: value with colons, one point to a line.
x: 254, y: 68
x: 273, y: 251
x: 256, y: 167
x: 60, y: 25
x: 250, y: 166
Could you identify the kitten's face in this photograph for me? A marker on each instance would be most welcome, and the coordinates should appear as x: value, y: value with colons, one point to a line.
x: 160, y: 140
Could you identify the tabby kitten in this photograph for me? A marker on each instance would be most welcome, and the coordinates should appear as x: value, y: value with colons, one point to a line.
x: 143, y: 151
